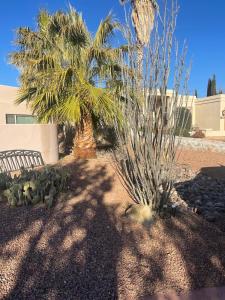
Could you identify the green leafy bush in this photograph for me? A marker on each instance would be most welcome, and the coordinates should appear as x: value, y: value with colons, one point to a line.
x: 184, y: 122
x: 5, y: 181
x: 199, y: 134
x: 34, y: 186
x: 104, y: 134
x: 182, y: 132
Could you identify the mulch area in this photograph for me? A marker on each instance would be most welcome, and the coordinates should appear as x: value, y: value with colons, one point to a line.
x: 84, y: 247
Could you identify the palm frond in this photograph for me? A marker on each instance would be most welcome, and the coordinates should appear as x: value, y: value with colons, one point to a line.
x: 104, y: 32
x: 60, y: 65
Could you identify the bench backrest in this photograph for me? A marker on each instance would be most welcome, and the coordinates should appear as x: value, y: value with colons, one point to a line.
x: 14, y: 160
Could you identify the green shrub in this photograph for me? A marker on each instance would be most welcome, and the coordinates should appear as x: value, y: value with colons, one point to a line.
x: 199, y: 134
x: 104, y: 134
x: 184, y: 122
x: 34, y: 186
x: 182, y: 132
x: 5, y: 180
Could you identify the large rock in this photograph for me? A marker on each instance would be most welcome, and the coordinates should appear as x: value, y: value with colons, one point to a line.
x: 210, y: 217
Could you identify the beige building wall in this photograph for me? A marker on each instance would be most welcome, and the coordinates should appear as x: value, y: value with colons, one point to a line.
x: 207, y: 113
x: 8, y: 95
x: 222, y: 117
x: 185, y: 100
x: 38, y: 137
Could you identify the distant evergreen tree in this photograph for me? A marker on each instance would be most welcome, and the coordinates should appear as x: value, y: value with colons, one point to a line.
x: 220, y: 91
x: 209, y: 89
x: 196, y: 93
x: 213, y: 86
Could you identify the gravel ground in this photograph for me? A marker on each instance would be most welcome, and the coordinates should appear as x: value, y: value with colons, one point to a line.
x: 203, y: 144
x: 84, y: 248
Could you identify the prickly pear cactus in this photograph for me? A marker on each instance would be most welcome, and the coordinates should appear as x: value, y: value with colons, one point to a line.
x: 35, y: 186
x: 5, y: 180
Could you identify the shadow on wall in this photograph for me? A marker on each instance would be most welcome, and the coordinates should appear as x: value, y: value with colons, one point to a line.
x: 84, y: 249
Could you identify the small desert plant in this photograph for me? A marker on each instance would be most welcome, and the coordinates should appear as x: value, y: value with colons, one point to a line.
x: 184, y: 122
x: 199, y: 134
x: 104, y: 134
x: 147, y: 142
x: 34, y: 186
x: 5, y: 180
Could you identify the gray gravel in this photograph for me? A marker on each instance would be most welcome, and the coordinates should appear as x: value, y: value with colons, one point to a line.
x: 200, y: 193
x: 202, y: 144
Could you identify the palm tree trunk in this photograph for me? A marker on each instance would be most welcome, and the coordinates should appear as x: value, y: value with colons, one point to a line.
x: 143, y: 14
x: 140, y: 55
x: 84, y: 143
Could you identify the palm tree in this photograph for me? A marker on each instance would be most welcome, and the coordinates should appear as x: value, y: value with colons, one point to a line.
x: 143, y: 15
x: 64, y: 73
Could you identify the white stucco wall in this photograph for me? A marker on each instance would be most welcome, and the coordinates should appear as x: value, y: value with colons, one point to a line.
x: 8, y: 95
x: 208, y: 114
x: 184, y: 100
x: 39, y: 137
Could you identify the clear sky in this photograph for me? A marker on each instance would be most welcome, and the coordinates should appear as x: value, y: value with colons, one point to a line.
x: 200, y: 22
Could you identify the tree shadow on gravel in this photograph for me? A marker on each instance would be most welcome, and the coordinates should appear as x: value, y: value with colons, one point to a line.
x: 72, y: 249
x: 200, y: 246
x: 193, y: 257
x: 205, y: 194
x: 193, y: 245
x: 84, y: 248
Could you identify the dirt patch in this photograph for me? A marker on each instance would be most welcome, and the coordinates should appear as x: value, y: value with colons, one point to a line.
x: 201, y: 159
x: 84, y: 248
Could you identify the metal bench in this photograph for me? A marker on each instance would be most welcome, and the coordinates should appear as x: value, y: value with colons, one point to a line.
x: 14, y: 160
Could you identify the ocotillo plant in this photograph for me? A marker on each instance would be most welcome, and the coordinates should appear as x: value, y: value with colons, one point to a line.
x: 147, y: 139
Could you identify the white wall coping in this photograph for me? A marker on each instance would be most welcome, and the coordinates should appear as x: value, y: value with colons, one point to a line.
x: 210, y: 98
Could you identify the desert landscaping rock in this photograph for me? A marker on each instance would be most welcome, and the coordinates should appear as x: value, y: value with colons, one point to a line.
x: 198, y: 201
x: 202, y: 144
x: 201, y: 192
x: 210, y: 217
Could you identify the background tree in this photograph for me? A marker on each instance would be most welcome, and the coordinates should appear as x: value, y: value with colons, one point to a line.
x: 184, y: 121
x: 196, y: 93
x: 209, y: 88
x: 64, y: 71
x: 213, y: 86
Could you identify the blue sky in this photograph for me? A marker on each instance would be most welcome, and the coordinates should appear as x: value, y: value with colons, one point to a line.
x: 200, y: 22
